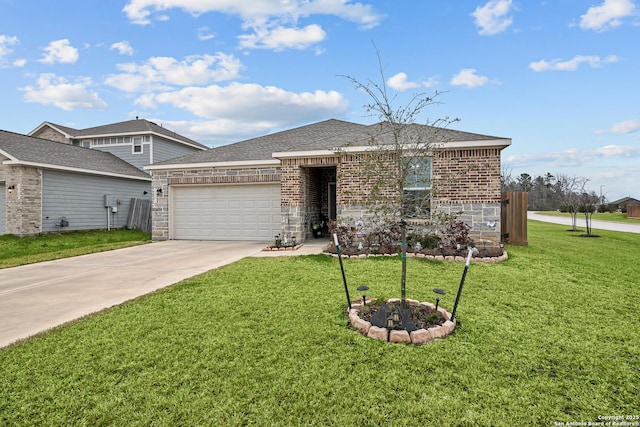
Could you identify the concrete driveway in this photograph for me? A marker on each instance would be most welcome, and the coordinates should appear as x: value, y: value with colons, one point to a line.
x: 37, y: 297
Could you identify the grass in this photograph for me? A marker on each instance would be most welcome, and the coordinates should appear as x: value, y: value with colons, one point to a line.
x: 605, y: 216
x: 550, y: 335
x: 16, y: 251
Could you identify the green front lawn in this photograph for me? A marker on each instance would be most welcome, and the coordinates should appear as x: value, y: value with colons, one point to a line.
x: 551, y: 335
x: 16, y: 251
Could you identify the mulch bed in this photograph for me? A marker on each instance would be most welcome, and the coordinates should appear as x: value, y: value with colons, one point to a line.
x: 423, y: 317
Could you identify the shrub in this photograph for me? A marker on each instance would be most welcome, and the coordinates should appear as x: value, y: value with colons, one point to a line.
x: 427, y: 241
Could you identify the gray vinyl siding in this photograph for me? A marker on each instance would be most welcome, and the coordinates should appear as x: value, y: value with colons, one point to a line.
x: 125, y: 152
x: 3, y: 209
x: 80, y: 199
x: 166, y: 150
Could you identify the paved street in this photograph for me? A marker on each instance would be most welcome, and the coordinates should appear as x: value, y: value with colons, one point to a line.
x: 597, y: 225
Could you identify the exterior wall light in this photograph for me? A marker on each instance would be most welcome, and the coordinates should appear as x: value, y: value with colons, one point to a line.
x: 11, y: 188
x: 159, y: 191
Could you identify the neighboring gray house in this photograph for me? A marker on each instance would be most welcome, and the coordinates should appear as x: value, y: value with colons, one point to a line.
x: 139, y: 142
x: 48, y: 186
x: 284, y: 182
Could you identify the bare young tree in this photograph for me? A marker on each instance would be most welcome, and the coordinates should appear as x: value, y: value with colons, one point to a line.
x: 397, y: 165
x: 588, y: 202
x: 571, y: 190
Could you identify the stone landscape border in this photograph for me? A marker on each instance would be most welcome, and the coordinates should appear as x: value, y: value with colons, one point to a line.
x: 418, y: 337
x: 460, y: 258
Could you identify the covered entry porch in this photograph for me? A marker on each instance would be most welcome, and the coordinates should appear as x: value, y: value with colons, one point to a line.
x: 309, y: 195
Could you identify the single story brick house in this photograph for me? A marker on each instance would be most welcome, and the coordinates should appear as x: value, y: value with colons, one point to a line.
x: 283, y: 182
x: 49, y: 186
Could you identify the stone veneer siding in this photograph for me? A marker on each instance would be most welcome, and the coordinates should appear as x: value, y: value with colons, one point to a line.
x: 51, y: 134
x: 24, y: 204
x: 467, y: 183
x: 207, y: 176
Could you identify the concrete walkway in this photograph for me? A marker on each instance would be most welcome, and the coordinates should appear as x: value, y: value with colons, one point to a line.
x: 595, y: 224
x: 37, y: 297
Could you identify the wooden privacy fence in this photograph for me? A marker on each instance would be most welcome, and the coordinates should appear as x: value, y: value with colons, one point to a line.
x: 139, y: 215
x: 633, y: 211
x: 514, y: 217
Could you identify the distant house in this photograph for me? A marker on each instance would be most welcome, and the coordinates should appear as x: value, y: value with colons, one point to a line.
x: 139, y: 142
x: 286, y: 181
x: 49, y: 186
x: 621, y: 204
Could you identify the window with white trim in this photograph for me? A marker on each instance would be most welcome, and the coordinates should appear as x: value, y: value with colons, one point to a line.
x: 417, y: 190
x: 137, y: 145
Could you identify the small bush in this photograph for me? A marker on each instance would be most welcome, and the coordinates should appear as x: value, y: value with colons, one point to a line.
x: 427, y: 241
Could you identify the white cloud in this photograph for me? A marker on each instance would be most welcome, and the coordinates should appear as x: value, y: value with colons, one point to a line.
x: 467, y: 77
x: 625, y: 127
x: 220, y: 131
x: 205, y: 34
x: 123, y: 48
x: 574, y: 156
x: 606, y: 16
x: 244, y: 110
x: 19, y: 62
x: 400, y: 82
x: 161, y: 72
x: 492, y: 18
x: 53, y: 90
x: 572, y: 64
x: 60, y: 51
x: 5, y: 44
x: 252, y: 102
x: 271, y: 20
x: 280, y: 38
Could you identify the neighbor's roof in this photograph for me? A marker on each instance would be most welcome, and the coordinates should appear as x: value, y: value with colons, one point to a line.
x: 129, y: 127
x: 626, y: 200
x: 326, y: 135
x: 27, y: 150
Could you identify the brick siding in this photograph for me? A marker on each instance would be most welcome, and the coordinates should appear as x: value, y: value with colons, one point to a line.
x: 165, y: 179
x: 464, y: 180
x: 466, y: 176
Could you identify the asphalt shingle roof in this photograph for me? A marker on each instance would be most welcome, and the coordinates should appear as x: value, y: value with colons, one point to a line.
x: 137, y: 126
x: 57, y: 155
x: 326, y: 135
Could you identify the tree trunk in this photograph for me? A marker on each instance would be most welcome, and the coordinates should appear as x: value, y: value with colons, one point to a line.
x: 403, y: 248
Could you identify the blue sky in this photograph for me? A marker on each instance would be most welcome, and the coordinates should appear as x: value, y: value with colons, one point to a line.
x: 559, y: 77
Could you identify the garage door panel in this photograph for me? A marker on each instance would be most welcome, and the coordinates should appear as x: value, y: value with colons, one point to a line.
x: 226, y: 212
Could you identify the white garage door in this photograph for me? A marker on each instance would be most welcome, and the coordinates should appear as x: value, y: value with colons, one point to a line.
x: 226, y: 212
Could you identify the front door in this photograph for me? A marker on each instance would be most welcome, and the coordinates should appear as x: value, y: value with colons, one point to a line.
x: 332, y: 200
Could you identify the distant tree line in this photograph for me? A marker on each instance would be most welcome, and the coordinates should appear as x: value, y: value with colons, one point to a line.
x: 560, y: 192
x: 555, y: 192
